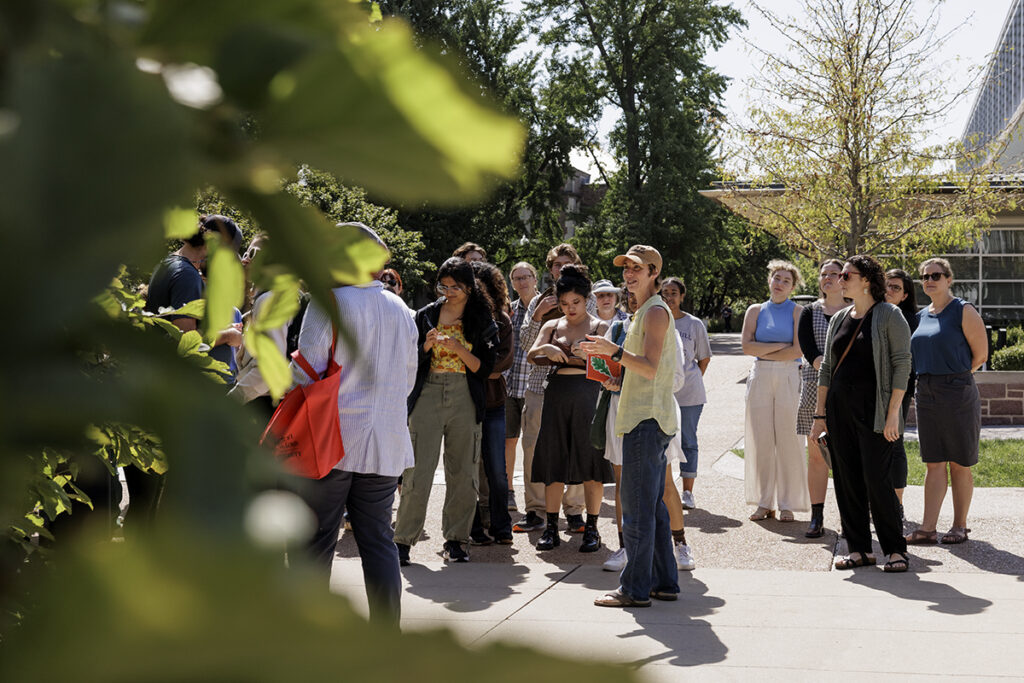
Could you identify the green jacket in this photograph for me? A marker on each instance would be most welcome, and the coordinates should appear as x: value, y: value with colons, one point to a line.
x: 890, y: 346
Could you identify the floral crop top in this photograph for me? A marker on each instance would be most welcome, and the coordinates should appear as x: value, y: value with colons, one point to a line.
x: 445, y: 360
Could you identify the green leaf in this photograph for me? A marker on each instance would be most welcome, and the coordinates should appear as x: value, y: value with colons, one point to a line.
x: 273, y: 365
x: 180, y: 223
x: 193, y: 309
x: 282, y: 304
x: 189, y: 342
x: 225, y: 290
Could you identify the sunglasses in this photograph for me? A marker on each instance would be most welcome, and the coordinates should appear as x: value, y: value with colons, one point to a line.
x: 444, y: 289
x: 934, y: 277
x: 845, y: 277
x: 389, y: 281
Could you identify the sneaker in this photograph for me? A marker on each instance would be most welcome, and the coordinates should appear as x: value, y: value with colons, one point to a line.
x: 403, y: 554
x: 616, y: 562
x: 453, y: 552
x: 512, y: 507
x: 480, y: 538
x: 575, y: 524
x: 549, y: 539
x: 688, y: 503
x: 531, y: 522
x: 684, y: 558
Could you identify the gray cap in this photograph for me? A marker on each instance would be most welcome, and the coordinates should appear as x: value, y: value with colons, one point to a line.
x: 368, y: 231
x: 602, y: 286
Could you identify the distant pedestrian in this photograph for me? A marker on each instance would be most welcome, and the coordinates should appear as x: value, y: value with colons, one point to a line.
x: 392, y: 281
x: 647, y: 417
x: 457, y: 343
x: 524, y: 282
x: 564, y: 453
x: 775, y: 471
x: 813, y: 330
x: 860, y: 398
x: 378, y: 369
x: 949, y: 345
x: 727, y: 318
x: 899, y: 291
x: 492, y: 443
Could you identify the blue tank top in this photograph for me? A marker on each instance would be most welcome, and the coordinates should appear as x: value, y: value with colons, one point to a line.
x: 938, y: 345
x: 775, y: 322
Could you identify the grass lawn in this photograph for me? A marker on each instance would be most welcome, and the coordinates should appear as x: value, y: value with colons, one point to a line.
x: 1000, y: 463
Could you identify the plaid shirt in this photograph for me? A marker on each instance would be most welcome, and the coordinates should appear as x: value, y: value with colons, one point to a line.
x: 528, y: 334
x: 516, y: 376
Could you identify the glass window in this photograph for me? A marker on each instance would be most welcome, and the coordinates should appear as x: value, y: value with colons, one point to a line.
x: 999, y: 315
x: 1003, y: 294
x: 1003, y: 267
x: 1004, y: 242
x: 964, y: 267
x: 968, y: 291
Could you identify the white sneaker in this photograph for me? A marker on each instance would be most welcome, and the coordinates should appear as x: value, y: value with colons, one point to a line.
x: 688, y: 503
x: 684, y: 558
x: 617, y: 561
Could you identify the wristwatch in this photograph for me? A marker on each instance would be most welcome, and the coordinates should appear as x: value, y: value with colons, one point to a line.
x: 617, y: 356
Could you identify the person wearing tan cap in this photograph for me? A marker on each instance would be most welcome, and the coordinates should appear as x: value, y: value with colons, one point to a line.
x: 647, y: 418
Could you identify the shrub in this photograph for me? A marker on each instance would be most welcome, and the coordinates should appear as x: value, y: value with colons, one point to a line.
x: 1015, y: 335
x: 1009, y: 358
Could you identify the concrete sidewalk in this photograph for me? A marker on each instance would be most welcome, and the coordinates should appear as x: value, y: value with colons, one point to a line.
x: 764, y: 601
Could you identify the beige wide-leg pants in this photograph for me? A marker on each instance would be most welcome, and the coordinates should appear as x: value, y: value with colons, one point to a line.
x: 775, y: 469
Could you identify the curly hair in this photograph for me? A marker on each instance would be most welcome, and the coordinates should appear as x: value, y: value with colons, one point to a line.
x: 775, y: 265
x: 493, y: 283
x: 871, y: 271
x: 909, y: 304
x: 477, y: 314
x: 573, y: 278
x: 563, y: 249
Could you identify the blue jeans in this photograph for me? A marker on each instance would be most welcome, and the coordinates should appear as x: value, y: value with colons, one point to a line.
x: 651, y: 564
x: 492, y: 454
x: 368, y: 499
x: 689, y: 416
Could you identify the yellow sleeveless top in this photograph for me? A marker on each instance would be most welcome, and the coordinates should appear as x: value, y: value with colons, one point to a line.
x: 443, y: 360
x: 642, y: 399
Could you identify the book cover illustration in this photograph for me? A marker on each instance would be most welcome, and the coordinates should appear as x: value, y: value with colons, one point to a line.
x: 601, y: 367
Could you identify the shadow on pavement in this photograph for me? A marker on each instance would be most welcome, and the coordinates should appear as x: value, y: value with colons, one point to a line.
x: 910, y: 586
x: 709, y: 522
x: 989, y: 558
x: 476, y: 593
x: 688, y: 641
x: 726, y: 344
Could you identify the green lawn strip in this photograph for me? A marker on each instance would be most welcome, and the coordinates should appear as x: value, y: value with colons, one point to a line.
x: 1000, y: 463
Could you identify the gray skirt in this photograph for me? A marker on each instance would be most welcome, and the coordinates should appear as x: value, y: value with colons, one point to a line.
x: 948, y: 418
x: 808, y: 399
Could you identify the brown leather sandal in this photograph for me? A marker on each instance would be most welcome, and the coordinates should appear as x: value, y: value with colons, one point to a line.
x: 920, y: 537
x: 957, y: 534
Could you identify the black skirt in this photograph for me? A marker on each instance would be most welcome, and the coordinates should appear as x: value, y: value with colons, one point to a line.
x: 563, y: 452
x: 948, y: 418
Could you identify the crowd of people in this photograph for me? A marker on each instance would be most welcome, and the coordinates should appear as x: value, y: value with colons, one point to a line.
x: 603, y: 384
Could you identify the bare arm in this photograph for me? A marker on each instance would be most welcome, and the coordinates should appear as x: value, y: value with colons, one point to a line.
x: 656, y: 324
x: 756, y: 348
x: 542, y: 346
x: 789, y: 351
x: 977, y: 338
x: 703, y: 365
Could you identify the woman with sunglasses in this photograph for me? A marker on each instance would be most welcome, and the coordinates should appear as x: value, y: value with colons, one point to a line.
x: 813, y: 329
x: 775, y: 472
x: 392, y: 280
x: 899, y: 291
x: 860, y: 398
x: 457, y: 342
x: 949, y: 345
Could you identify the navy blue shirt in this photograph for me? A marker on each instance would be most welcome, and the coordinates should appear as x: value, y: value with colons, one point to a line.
x: 938, y: 345
x: 174, y: 283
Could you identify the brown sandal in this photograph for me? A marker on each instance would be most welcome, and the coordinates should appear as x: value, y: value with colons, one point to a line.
x: 920, y: 537
x: 957, y: 534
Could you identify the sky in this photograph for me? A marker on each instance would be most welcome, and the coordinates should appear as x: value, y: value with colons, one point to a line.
x: 971, y: 45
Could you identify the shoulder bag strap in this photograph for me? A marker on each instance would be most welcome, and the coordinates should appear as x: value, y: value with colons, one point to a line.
x: 850, y: 345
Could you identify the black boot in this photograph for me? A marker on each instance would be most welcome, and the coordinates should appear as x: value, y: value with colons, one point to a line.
x: 591, y: 540
x: 817, y: 526
x: 549, y: 539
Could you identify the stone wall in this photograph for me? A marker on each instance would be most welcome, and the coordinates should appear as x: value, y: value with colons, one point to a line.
x: 1002, y: 398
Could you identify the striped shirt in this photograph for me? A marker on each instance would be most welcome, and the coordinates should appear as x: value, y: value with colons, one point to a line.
x: 517, y: 375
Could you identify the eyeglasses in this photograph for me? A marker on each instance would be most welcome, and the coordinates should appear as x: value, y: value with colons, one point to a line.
x: 444, y: 289
x: 934, y: 277
x: 894, y: 287
x: 845, y: 277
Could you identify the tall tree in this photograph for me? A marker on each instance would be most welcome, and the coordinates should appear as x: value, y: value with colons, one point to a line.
x: 486, y: 40
x: 840, y: 133
x: 643, y: 60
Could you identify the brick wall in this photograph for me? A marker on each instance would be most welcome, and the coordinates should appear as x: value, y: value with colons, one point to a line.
x: 1002, y: 398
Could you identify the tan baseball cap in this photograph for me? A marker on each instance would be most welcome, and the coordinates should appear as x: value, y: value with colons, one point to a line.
x: 642, y: 254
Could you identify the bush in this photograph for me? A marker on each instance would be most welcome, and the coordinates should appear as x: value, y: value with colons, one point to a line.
x: 1015, y: 336
x: 1009, y: 358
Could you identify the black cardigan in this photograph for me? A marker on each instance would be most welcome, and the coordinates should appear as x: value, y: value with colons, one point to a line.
x: 485, y: 344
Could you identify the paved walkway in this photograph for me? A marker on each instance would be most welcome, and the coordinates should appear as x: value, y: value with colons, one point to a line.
x: 764, y: 601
